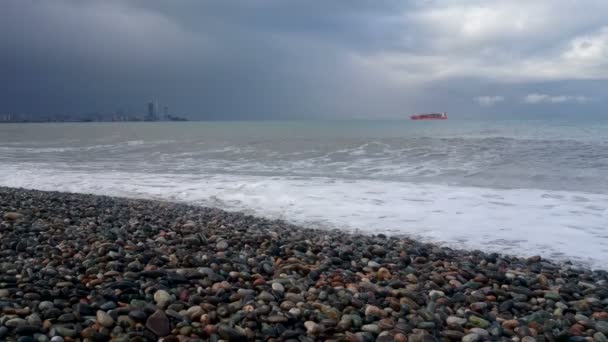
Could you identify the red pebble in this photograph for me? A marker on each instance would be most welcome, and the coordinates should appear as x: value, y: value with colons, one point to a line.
x: 259, y: 281
x: 576, y: 329
x: 600, y: 315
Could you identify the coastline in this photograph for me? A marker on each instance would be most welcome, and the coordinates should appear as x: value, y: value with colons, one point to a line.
x: 87, y: 266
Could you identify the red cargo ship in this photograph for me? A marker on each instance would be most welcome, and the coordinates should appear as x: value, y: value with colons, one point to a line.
x: 431, y: 116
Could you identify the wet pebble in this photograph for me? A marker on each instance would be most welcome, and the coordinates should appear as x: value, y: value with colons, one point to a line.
x: 100, y: 268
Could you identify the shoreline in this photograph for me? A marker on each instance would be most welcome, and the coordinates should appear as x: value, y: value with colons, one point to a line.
x: 97, y: 267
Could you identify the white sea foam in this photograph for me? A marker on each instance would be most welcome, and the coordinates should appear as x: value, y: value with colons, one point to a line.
x: 556, y: 224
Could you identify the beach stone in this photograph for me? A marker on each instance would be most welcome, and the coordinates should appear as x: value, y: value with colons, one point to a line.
x: 108, y: 306
x: 195, y: 312
x: 454, y: 320
x: 600, y: 315
x: 104, y: 319
x: 453, y: 334
x: 15, y: 322
x: 64, y: 331
x: 57, y: 339
x: 478, y: 322
x: 4, y: 293
x: 426, y: 325
x: 221, y: 245
x: 27, y: 330
x: 479, y: 306
x: 138, y: 315
x: 600, y: 337
x: 602, y: 326
x: 26, y: 339
x: 125, y: 321
x: 12, y: 216
x: 371, y: 328
x: 231, y: 333
x: 495, y: 330
x: 553, y: 296
x: 372, y: 310
x: 471, y: 338
x: 266, y: 296
x: 34, y: 319
x: 268, y: 268
x: 421, y: 337
x: 479, y: 331
x: 277, y: 287
x: 276, y: 319
x: 158, y: 323
x: 287, y: 305
x: 312, y: 328
x: 66, y: 318
x: 187, y: 330
x: 162, y: 298
x: 384, y: 274
x: 45, y: 305
x: 434, y: 294
x: 296, y: 298
x: 296, y: 312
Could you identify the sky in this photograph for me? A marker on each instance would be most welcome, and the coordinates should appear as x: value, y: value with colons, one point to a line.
x: 309, y: 59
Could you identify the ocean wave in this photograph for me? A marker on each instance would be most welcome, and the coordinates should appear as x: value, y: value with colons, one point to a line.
x: 518, y: 221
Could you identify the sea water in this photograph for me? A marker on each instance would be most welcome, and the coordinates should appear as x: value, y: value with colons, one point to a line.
x: 520, y: 187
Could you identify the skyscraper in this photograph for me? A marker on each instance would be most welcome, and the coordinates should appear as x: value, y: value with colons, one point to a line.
x: 166, y: 112
x: 152, y: 112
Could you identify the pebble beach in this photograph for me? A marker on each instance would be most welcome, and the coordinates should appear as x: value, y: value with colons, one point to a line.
x: 77, y: 267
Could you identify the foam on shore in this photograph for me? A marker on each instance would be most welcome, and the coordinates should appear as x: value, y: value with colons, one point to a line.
x: 556, y: 224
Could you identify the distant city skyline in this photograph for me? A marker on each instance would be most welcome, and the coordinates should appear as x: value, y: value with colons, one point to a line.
x: 305, y: 59
x: 151, y: 113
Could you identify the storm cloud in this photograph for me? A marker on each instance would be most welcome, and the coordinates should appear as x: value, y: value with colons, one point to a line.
x: 304, y: 59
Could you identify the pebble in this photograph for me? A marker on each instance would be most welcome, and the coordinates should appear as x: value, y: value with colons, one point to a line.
x: 478, y: 322
x: 453, y: 320
x: 231, y: 333
x: 12, y: 216
x: 312, y: 328
x: 3, y: 332
x: 138, y: 315
x: 600, y: 337
x: 104, y: 319
x: 222, y: 245
x: 384, y: 274
x: 371, y: 328
x: 602, y: 326
x: 45, y: 305
x: 159, y: 323
x: 277, y: 287
x: 64, y: 331
x: 15, y: 322
x: 101, y: 268
x: 471, y: 338
x: 162, y: 298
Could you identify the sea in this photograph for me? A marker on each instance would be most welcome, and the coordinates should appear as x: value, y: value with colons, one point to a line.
x: 519, y: 187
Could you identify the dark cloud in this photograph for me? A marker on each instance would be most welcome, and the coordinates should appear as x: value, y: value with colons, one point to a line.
x: 289, y: 59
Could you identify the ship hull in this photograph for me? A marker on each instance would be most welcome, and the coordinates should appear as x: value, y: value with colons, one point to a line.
x: 430, y: 116
x: 416, y: 118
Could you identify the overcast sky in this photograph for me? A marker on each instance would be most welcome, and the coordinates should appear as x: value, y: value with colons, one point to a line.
x: 305, y: 59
